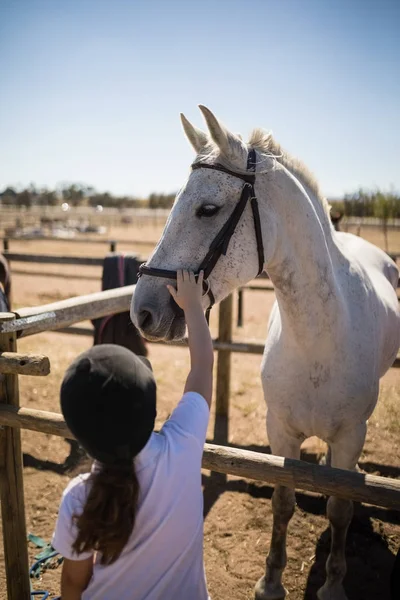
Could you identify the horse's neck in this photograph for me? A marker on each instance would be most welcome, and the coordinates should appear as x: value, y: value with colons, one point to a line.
x: 300, y: 265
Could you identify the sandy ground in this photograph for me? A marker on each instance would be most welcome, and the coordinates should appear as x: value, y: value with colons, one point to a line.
x: 238, y: 516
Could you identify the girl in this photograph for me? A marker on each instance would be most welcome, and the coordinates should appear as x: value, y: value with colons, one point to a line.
x: 132, y: 529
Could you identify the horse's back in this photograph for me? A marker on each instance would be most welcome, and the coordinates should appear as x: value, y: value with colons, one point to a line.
x: 375, y: 261
x: 379, y: 276
x: 367, y: 335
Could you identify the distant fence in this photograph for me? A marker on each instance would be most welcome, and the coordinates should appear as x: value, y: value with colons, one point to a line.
x: 88, y: 261
x: 13, y: 218
x: 370, y: 222
x: 75, y: 240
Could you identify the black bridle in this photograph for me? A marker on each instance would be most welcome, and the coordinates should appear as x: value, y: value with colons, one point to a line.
x: 220, y: 243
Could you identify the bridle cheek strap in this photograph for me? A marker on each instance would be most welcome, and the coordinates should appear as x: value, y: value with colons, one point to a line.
x: 220, y: 243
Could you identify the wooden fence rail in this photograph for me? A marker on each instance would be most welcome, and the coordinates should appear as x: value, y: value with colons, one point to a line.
x: 24, y: 364
x: 76, y: 240
x: 381, y: 491
x: 88, y: 261
x: 54, y: 238
x: 66, y: 312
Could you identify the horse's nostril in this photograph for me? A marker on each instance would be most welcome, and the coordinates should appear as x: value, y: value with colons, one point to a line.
x: 145, y: 319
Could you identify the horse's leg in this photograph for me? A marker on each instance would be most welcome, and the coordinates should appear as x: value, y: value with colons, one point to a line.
x: 326, y: 459
x: 270, y: 586
x: 346, y: 450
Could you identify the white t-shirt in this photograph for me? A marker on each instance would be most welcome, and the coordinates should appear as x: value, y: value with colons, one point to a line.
x: 163, y: 559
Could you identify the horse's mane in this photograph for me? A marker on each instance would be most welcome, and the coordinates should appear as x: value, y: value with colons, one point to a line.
x: 264, y: 142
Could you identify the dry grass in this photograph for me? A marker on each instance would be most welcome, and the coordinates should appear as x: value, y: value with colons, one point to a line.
x: 375, y: 236
x: 386, y: 416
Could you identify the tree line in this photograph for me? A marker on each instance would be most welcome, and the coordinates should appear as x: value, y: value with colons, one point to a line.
x: 363, y: 203
x: 366, y: 203
x: 80, y: 195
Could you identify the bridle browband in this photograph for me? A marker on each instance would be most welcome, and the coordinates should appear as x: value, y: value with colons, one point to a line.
x: 220, y: 243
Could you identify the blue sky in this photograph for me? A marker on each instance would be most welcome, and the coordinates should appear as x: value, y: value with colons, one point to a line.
x: 91, y: 90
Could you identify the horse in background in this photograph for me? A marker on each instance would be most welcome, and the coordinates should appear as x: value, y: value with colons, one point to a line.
x: 333, y: 331
x: 5, y: 285
x: 336, y: 217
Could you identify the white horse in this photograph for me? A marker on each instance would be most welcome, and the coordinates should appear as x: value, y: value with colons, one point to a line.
x: 334, y: 329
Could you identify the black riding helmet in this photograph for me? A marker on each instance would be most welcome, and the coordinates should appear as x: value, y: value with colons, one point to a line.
x: 108, y: 399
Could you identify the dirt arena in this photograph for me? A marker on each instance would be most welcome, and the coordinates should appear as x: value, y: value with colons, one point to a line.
x: 238, y: 518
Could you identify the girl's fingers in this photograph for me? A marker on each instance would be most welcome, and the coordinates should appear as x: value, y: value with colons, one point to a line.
x: 185, y: 276
x: 172, y: 291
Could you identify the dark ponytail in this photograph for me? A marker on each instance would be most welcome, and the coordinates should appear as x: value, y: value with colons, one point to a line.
x: 108, y: 517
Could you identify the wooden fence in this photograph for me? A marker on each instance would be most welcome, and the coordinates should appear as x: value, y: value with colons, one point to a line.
x: 96, y: 261
x: 225, y: 337
x: 272, y: 469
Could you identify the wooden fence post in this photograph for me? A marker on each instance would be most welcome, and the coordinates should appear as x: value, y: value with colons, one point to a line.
x: 11, y: 485
x: 223, y: 371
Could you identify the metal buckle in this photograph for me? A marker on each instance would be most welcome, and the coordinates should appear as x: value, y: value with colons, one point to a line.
x: 208, y: 288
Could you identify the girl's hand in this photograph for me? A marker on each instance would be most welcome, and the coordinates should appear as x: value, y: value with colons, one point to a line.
x: 189, y: 291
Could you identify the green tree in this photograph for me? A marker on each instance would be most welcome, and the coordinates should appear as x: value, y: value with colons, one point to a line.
x: 161, y: 200
x: 9, y: 196
x: 24, y: 198
x: 383, y: 209
x: 74, y: 194
x: 47, y: 198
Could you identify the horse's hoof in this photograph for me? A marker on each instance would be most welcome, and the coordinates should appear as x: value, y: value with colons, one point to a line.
x: 269, y: 591
x: 333, y: 591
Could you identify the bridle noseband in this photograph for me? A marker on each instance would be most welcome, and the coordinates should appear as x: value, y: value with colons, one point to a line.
x: 220, y: 243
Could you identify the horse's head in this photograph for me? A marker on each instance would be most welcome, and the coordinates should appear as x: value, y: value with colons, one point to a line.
x: 202, y: 208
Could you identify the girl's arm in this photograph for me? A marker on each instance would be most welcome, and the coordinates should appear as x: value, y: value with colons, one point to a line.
x: 188, y: 297
x: 75, y: 578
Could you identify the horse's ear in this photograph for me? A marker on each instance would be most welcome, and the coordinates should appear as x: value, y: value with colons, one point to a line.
x: 230, y: 144
x: 196, y: 137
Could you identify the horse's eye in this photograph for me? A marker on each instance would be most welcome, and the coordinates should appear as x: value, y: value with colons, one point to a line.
x: 207, y: 210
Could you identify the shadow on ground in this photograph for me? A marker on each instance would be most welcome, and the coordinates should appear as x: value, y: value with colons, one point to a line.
x: 77, y: 457
x: 369, y: 562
